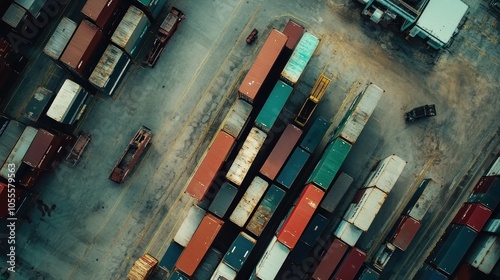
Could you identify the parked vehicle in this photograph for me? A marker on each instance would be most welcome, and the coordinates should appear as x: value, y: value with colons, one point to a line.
x: 131, y: 155
x: 165, y: 32
x: 247, y: 203
x: 252, y: 36
x: 189, y: 225
x: 294, y: 32
x: 383, y: 255
x: 265, y: 210
x: 77, y: 150
x: 273, y: 106
x: 312, y: 100
x: 142, y: 268
x: 301, y: 55
x: 420, y: 112
x: 292, y: 167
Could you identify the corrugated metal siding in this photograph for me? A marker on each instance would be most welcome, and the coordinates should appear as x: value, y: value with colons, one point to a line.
x: 272, y: 260
x: 248, y: 202
x: 42, y: 149
x: 9, y: 138
x: 314, y: 135
x: 14, y: 15
x: 405, y: 232
x: 131, y: 30
x: 100, y: 11
x: 350, y: 265
x: 69, y: 93
x: 60, y: 38
x: 246, y: 156
x: 294, y: 31
x: 106, y: 66
x: 237, y: 118
x: 189, y: 225
x: 265, y: 210
x: 273, y: 106
x: 330, y: 260
x: 19, y: 150
x: 363, y: 213
x: 330, y: 163
x: 473, y: 215
x: 292, y: 167
x: 299, y: 59
x: 208, y: 265
x: 386, y: 173
x: 336, y: 192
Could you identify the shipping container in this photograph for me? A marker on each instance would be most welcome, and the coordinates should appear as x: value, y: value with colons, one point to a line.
x: 330, y: 260
x: 429, y: 273
x: 223, y: 199
x: 197, y: 247
x: 300, y: 252
x: 265, y: 210
x: 37, y: 103
x: 451, y: 248
x: 131, y: 31
x: 189, y: 225
x: 152, y: 7
x: 170, y: 257
x: 486, y: 192
x: 69, y: 104
x: 238, y: 252
x: 355, y: 119
x: 420, y: 204
x: 314, y: 229
x: 336, y: 192
x: 492, y: 226
x: 294, y: 32
x: 467, y: 272
x: 386, y: 173
x: 248, y: 202
x: 82, y: 53
x: 246, y: 156
x: 16, y: 155
x: 485, y: 253
x: 312, y: 100
x: 60, y: 38
x: 209, y: 166
x: 258, y: 72
x: 330, y: 163
x: 300, y: 216
x: 314, y: 135
x: 365, y: 207
x: 142, y: 268
x: 14, y: 16
x: 494, y: 170
x: 473, y: 215
x: 350, y: 265
x: 27, y: 175
x: 292, y: 167
x: 10, y: 131
x: 42, y: 150
x: 103, y: 13
x: 271, y: 261
x: 208, y: 265
x: 32, y: 6
x: 223, y: 271
x: 110, y: 70
x: 368, y: 273
x: 237, y: 118
x: 300, y: 57
x: 281, y: 151
x: 273, y: 106
x: 404, y: 232
x: 177, y: 275
x: 348, y: 233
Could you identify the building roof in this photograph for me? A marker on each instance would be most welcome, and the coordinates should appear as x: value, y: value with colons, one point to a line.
x: 440, y: 18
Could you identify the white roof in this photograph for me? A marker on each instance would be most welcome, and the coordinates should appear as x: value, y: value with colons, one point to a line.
x: 63, y: 101
x: 440, y: 18
x: 106, y: 65
x: 60, y: 38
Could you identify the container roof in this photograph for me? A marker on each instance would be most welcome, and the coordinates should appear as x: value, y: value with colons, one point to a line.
x: 440, y: 18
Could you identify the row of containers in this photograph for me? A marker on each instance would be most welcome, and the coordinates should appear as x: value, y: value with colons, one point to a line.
x: 25, y: 152
x: 190, y: 252
x: 11, y: 66
x: 470, y: 246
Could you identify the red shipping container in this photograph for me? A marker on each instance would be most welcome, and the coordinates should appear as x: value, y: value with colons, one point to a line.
x: 484, y: 184
x: 300, y: 216
x: 101, y: 12
x: 474, y: 215
x: 262, y: 65
x: 281, y: 151
x: 330, y: 260
x: 467, y: 272
x: 42, y: 150
x: 198, y: 246
x: 294, y: 31
x: 210, y: 165
x: 351, y: 265
x: 405, y: 232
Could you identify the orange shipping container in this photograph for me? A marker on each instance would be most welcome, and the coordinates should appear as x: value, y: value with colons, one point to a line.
x: 198, y: 245
x: 210, y: 165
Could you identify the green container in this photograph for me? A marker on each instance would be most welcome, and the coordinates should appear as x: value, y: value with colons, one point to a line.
x: 171, y: 255
x: 314, y: 135
x: 292, y: 167
x: 330, y: 162
x: 273, y: 106
x: 239, y: 251
x: 265, y: 210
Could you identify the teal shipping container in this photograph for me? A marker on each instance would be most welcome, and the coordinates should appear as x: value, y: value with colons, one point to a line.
x: 152, y: 7
x: 299, y: 59
x: 314, y: 229
x: 314, y: 135
x: 223, y: 199
x: 273, y: 106
x: 429, y: 273
x: 131, y: 31
x: 368, y: 273
x: 239, y: 251
x: 171, y: 255
x: 265, y: 210
x: 330, y: 162
x: 292, y: 167
x: 177, y: 275
x: 208, y: 264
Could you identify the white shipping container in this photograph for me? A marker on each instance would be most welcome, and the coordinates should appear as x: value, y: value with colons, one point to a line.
x: 492, y: 226
x: 237, y: 118
x: 189, y: 225
x: 386, y: 173
x: 60, y: 38
x: 106, y: 67
x: 32, y: 6
x: 425, y: 200
x: 16, y: 155
x: 361, y: 114
x: 485, y: 253
x: 348, y: 233
x: 248, y: 202
x: 362, y: 213
x: 131, y: 30
x: 14, y: 15
x: 494, y: 169
x: 272, y: 260
x: 70, y: 95
x: 223, y: 271
x: 246, y: 156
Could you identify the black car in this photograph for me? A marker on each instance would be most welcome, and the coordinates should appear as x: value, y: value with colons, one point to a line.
x: 420, y: 112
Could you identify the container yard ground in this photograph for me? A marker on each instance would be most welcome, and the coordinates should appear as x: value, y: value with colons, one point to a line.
x: 98, y: 229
